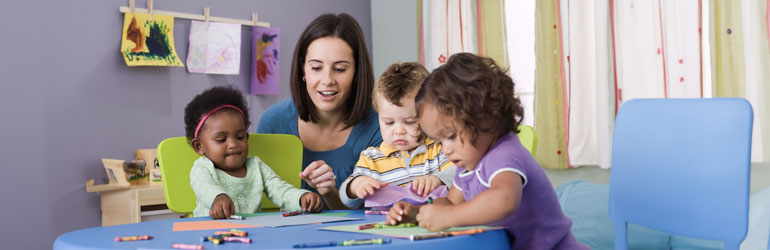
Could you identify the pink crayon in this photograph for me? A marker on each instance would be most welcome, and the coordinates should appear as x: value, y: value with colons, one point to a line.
x: 133, y: 238
x: 186, y: 246
x: 376, y: 212
x: 238, y: 239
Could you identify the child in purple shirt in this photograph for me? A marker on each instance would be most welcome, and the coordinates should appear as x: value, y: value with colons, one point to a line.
x: 468, y: 105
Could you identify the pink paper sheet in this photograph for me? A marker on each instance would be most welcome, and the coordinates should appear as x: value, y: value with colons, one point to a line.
x: 385, y: 197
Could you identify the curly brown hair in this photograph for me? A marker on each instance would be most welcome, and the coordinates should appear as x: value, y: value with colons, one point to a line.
x: 399, y: 80
x: 475, y: 92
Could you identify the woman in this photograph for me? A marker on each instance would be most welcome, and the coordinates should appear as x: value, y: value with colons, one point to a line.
x: 331, y: 107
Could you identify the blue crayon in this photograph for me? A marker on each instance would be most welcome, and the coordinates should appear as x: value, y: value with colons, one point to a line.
x: 316, y: 244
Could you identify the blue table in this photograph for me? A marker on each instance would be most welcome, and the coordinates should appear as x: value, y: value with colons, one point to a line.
x: 264, y: 237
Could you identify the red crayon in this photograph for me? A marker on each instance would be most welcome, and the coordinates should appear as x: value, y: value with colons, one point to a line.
x: 366, y: 226
x: 133, y: 238
x: 186, y: 246
x: 293, y: 213
x: 238, y: 239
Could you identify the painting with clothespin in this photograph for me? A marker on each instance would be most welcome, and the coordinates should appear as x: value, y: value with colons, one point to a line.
x: 215, y: 47
x: 265, y: 47
x: 148, y: 39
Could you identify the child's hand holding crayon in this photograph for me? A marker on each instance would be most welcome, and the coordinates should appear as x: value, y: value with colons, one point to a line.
x: 402, y: 212
x: 435, y: 217
x: 222, y: 207
x: 311, y: 202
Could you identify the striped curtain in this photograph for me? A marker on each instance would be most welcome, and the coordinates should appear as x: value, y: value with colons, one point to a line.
x: 453, y: 26
x: 592, y: 56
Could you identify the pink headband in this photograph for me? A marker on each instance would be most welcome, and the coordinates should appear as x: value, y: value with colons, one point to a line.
x: 206, y: 116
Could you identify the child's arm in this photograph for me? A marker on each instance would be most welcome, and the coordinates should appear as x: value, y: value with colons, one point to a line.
x: 351, y: 190
x: 283, y: 194
x: 494, y: 204
x: 206, y: 187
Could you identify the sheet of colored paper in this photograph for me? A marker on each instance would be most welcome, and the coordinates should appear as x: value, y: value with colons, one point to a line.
x: 400, y: 232
x: 385, y: 197
x: 208, y: 225
x: 215, y: 48
x: 264, y: 62
x: 277, y: 220
x: 148, y: 42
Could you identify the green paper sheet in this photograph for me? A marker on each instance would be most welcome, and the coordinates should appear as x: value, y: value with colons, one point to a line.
x: 397, y: 232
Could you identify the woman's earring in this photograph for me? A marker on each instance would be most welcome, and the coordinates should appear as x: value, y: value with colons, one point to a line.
x: 303, y: 79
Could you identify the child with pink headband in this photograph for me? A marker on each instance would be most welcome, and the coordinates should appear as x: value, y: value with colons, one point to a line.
x: 225, y: 179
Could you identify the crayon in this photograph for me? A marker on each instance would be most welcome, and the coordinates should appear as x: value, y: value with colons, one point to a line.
x: 206, y: 238
x: 477, y: 230
x: 414, y: 237
x: 232, y: 233
x: 378, y: 241
x: 402, y: 225
x: 366, y: 226
x: 237, y: 217
x: 215, y: 239
x: 238, y: 239
x: 186, y: 246
x: 293, y: 213
x: 446, y: 234
x: 430, y: 200
x: 133, y: 238
x: 376, y: 212
x: 316, y: 244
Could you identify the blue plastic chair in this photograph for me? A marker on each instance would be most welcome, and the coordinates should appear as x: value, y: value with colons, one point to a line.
x: 682, y: 166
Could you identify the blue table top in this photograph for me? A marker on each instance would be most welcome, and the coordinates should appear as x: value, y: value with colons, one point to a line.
x: 264, y: 237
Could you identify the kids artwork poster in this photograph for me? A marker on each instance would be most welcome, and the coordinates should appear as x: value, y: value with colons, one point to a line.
x: 148, y: 42
x: 264, y: 63
x: 215, y: 48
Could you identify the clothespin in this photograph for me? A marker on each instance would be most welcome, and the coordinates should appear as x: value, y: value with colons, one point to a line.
x: 131, y: 6
x: 254, y: 16
x: 206, y: 16
x: 149, y: 8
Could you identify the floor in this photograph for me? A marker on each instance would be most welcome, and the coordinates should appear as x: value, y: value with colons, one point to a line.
x: 760, y: 175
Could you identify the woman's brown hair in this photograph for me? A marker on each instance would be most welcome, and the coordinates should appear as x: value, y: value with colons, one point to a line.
x: 345, y: 27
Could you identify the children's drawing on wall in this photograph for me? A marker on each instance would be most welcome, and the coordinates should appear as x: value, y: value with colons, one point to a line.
x: 214, y: 48
x: 264, y: 63
x: 149, y: 42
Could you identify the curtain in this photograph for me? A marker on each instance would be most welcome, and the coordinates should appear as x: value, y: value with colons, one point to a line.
x: 757, y: 73
x: 452, y: 26
x: 551, y: 109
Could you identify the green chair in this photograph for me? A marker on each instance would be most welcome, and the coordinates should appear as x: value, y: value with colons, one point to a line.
x: 283, y: 153
x: 528, y: 138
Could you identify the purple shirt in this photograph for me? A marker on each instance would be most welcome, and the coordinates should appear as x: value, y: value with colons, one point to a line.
x: 538, y: 222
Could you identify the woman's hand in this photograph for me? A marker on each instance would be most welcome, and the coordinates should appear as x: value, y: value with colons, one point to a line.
x: 311, y: 202
x: 222, y: 207
x: 402, y: 212
x: 434, y: 217
x: 319, y: 175
x: 363, y: 186
x: 425, y: 184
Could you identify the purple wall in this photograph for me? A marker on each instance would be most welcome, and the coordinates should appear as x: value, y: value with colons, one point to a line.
x: 68, y: 99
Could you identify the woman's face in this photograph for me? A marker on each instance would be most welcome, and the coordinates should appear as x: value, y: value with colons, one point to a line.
x: 329, y: 70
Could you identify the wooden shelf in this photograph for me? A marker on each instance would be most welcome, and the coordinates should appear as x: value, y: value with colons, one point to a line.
x: 124, y: 205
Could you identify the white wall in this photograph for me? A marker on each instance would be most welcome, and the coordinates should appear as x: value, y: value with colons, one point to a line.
x: 394, y: 33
